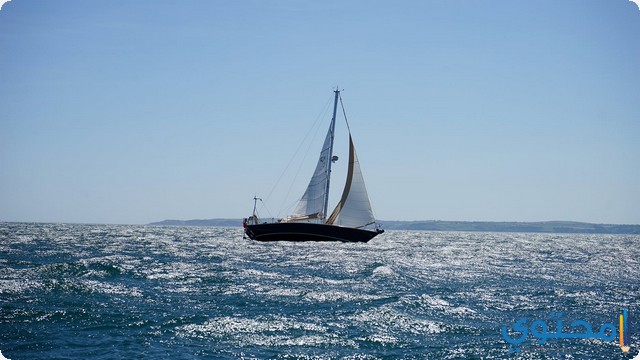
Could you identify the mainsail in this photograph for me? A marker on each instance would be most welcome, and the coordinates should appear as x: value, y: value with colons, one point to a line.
x: 312, y: 203
x: 354, y: 208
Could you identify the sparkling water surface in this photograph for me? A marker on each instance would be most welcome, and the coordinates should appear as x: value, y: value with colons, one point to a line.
x: 125, y: 292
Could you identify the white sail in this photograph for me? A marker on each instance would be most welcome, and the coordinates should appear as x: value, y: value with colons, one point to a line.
x: 354, y: 209
x: 312, y: 202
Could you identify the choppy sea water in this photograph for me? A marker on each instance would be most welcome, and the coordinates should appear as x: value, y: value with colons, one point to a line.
x: 124, y: 292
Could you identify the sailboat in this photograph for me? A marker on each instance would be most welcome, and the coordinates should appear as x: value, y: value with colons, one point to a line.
x: 351, y: 220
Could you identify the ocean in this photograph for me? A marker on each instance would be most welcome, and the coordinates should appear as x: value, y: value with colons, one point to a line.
x: 149, y: 292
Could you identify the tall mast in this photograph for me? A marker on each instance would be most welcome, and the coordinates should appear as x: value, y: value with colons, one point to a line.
x: 332, y: 131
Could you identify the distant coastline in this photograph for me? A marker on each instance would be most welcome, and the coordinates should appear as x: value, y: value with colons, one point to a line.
x: 570, y: 227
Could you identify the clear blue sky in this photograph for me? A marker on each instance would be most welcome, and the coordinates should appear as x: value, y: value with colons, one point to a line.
x: 137, y: 111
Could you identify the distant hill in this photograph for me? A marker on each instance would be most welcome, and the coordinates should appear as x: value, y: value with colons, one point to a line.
x: 538, y: 227
x: 438, y: 225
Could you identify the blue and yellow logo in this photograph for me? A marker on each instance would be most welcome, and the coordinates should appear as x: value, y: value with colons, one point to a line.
x: 580, y: 329
x: 625, y: 336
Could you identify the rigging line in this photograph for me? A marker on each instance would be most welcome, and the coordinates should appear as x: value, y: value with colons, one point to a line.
x: 299, y: 168
x: 296, y: 152
x: 365, y: 225
x: 265, y: 207
x: 304, y: 139
x: 373, y: 211
x: 344, y: 113
x: 289, y: 207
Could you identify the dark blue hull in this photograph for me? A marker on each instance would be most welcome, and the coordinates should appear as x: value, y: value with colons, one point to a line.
x: 308, y: 232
